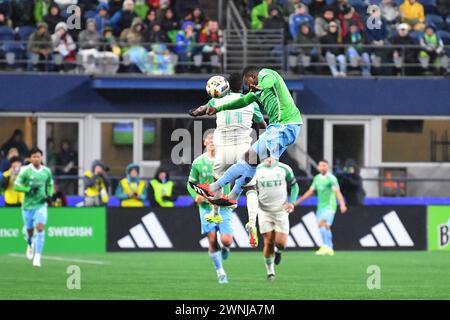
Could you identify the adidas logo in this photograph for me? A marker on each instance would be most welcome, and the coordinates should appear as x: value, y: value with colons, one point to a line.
x: 305, y: 234
x: 198, y: 190
x: 390, y: 233
x: 147, y: 234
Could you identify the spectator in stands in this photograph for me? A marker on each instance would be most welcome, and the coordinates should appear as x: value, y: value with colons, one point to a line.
x: 185, y: 46
x: 351, y: 184
x: 355, y: 52
x: 53, y: 17
x: 443, y: 8
x: 161, y: 60
x: 296, y: 19
x: 161, y: 191
x: 16, y: 141
x: 5, y: 11
x: 376, y: 35
x: 39, y: 45
x: 275, y: 19
x: 96, y: 185
x: 197, y: 18
x: 64, y: 45
x: 346, y: 15
x: 141, y: 8
x: 109, y: 52
x: 184, y: 7
x: 412, y: 13
x: 132, y: 191
x: 170, y: 25
x: 400, y: 53
x: 211, y: 38
x: 6, y: 162
x: 389, y: 11
x: 123, y: 19
x: 432, y: 51
x: 333, y: 53
x: 89, y: 5
x: 89, y: 38
x: 3, y: 20
x: 23, y: 13
x: 67, y: 164
x: 156, y: 35
x: 12, y: 198
x: 151, y: 19
x: 134, y: 35
x: 317, y: 8
x: 260, y: 13
x: 321, y: 23
x: 288, y: 7
x: 115, y: 6
x: 307, y: 39
x: 101, y: 17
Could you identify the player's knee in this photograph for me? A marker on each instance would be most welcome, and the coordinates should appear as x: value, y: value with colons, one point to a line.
x: 40, y: 227
x: 227, y: 240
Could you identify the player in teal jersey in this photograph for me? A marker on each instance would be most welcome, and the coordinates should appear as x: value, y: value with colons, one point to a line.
x: 36, y: 181
x: 327, y: 189
x: 269, y: 90
x: 202, y: 171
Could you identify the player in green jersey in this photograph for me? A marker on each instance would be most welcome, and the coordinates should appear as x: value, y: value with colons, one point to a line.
x: 202, y: 171
x: 327, y: 189
x: 269, y: 90
x: 36, y: 181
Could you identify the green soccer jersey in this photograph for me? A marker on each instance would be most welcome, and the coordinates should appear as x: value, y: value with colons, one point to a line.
x: 38, y: 181
x: 274, y: 96
x: 325, y: 187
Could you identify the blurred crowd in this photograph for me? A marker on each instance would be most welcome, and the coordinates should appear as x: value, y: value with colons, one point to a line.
x: 109, y: 36
x: 371, y: 35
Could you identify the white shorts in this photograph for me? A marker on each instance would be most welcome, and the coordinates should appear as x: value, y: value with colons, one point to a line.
x: 277, y: 221
x: 226, y: 156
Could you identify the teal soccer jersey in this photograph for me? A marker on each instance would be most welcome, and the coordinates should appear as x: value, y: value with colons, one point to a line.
x: 39, y: 181
x: 325, y: 187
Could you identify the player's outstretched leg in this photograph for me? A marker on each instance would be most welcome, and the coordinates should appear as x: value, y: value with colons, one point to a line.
x: 269, y: 255
x: 40, y: 239
x: 30, y: 244
x: 216, y: 257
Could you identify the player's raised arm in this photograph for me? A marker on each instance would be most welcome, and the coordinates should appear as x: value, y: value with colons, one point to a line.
x: 307, y: 194
x: 235, y: 104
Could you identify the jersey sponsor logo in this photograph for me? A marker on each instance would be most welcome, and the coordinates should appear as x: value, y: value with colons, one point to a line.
x: 148, y: 234
x: 9, y: 232
x: 388, y: 233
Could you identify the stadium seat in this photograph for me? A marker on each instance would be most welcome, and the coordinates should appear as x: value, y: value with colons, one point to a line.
x: 398, y: 2
x: 445, y: 36
x: 429, y: 6
x: 89, y: 14
x: 435, y: 20
x: 307, y: 2
x: 416, y: 34
x: 25, y: 32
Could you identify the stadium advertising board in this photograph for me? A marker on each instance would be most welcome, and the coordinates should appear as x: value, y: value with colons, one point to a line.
x: 367, y: 228
x: 439, y: 228
x: 68, y: 230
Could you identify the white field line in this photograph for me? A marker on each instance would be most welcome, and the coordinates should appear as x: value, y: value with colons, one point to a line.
x: 63, y: 259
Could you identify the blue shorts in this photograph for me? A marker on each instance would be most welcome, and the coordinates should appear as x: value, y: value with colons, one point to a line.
x: 326, y: 214
x: 224, y: 228
x: 275, y: 140
x: 35, y: 216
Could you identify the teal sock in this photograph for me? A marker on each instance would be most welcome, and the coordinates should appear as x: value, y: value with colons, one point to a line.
x: 324, y: 235
x: 40, y: 239
x: 330, y: 238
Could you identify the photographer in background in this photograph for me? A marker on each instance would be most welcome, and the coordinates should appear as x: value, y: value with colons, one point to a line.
x: 132, y: 191
x: 96, y: 185
x: 12, y: 198
x: 351, y: 184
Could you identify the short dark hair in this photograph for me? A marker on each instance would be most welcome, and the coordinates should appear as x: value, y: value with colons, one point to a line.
x: 250, y: 70
x: 15, y: 159
x: 323, y: 160
x: 35, y: 150
x: 235, y: 80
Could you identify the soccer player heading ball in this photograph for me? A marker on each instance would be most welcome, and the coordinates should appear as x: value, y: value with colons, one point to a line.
x: 269, y: 90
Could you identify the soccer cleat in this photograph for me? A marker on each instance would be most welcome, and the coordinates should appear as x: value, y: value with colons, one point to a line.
x: 202, y: 189
x: 30, y: 252
x: 330, y: 252
x: 37, y: 260
x: 225, y: 253
x: 223, y: 279
x: 322, y: 251
x: 270, y: 277
x: 223, y: 201
x: 252, y: 234
x: 210, y: 217
x: 277, y: 258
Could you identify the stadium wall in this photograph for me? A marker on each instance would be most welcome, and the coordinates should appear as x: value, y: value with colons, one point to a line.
x: 316, y: 96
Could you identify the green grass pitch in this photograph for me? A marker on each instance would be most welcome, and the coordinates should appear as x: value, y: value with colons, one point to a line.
x: 172, y: 275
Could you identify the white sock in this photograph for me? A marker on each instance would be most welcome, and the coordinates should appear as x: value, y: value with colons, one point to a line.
x: 270, y: 265
x: 252, y: 206
x: 220, y: 272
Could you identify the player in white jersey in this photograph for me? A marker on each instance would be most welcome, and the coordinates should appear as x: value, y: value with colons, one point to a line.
x: 274, y: 208
x: 232, y: 138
